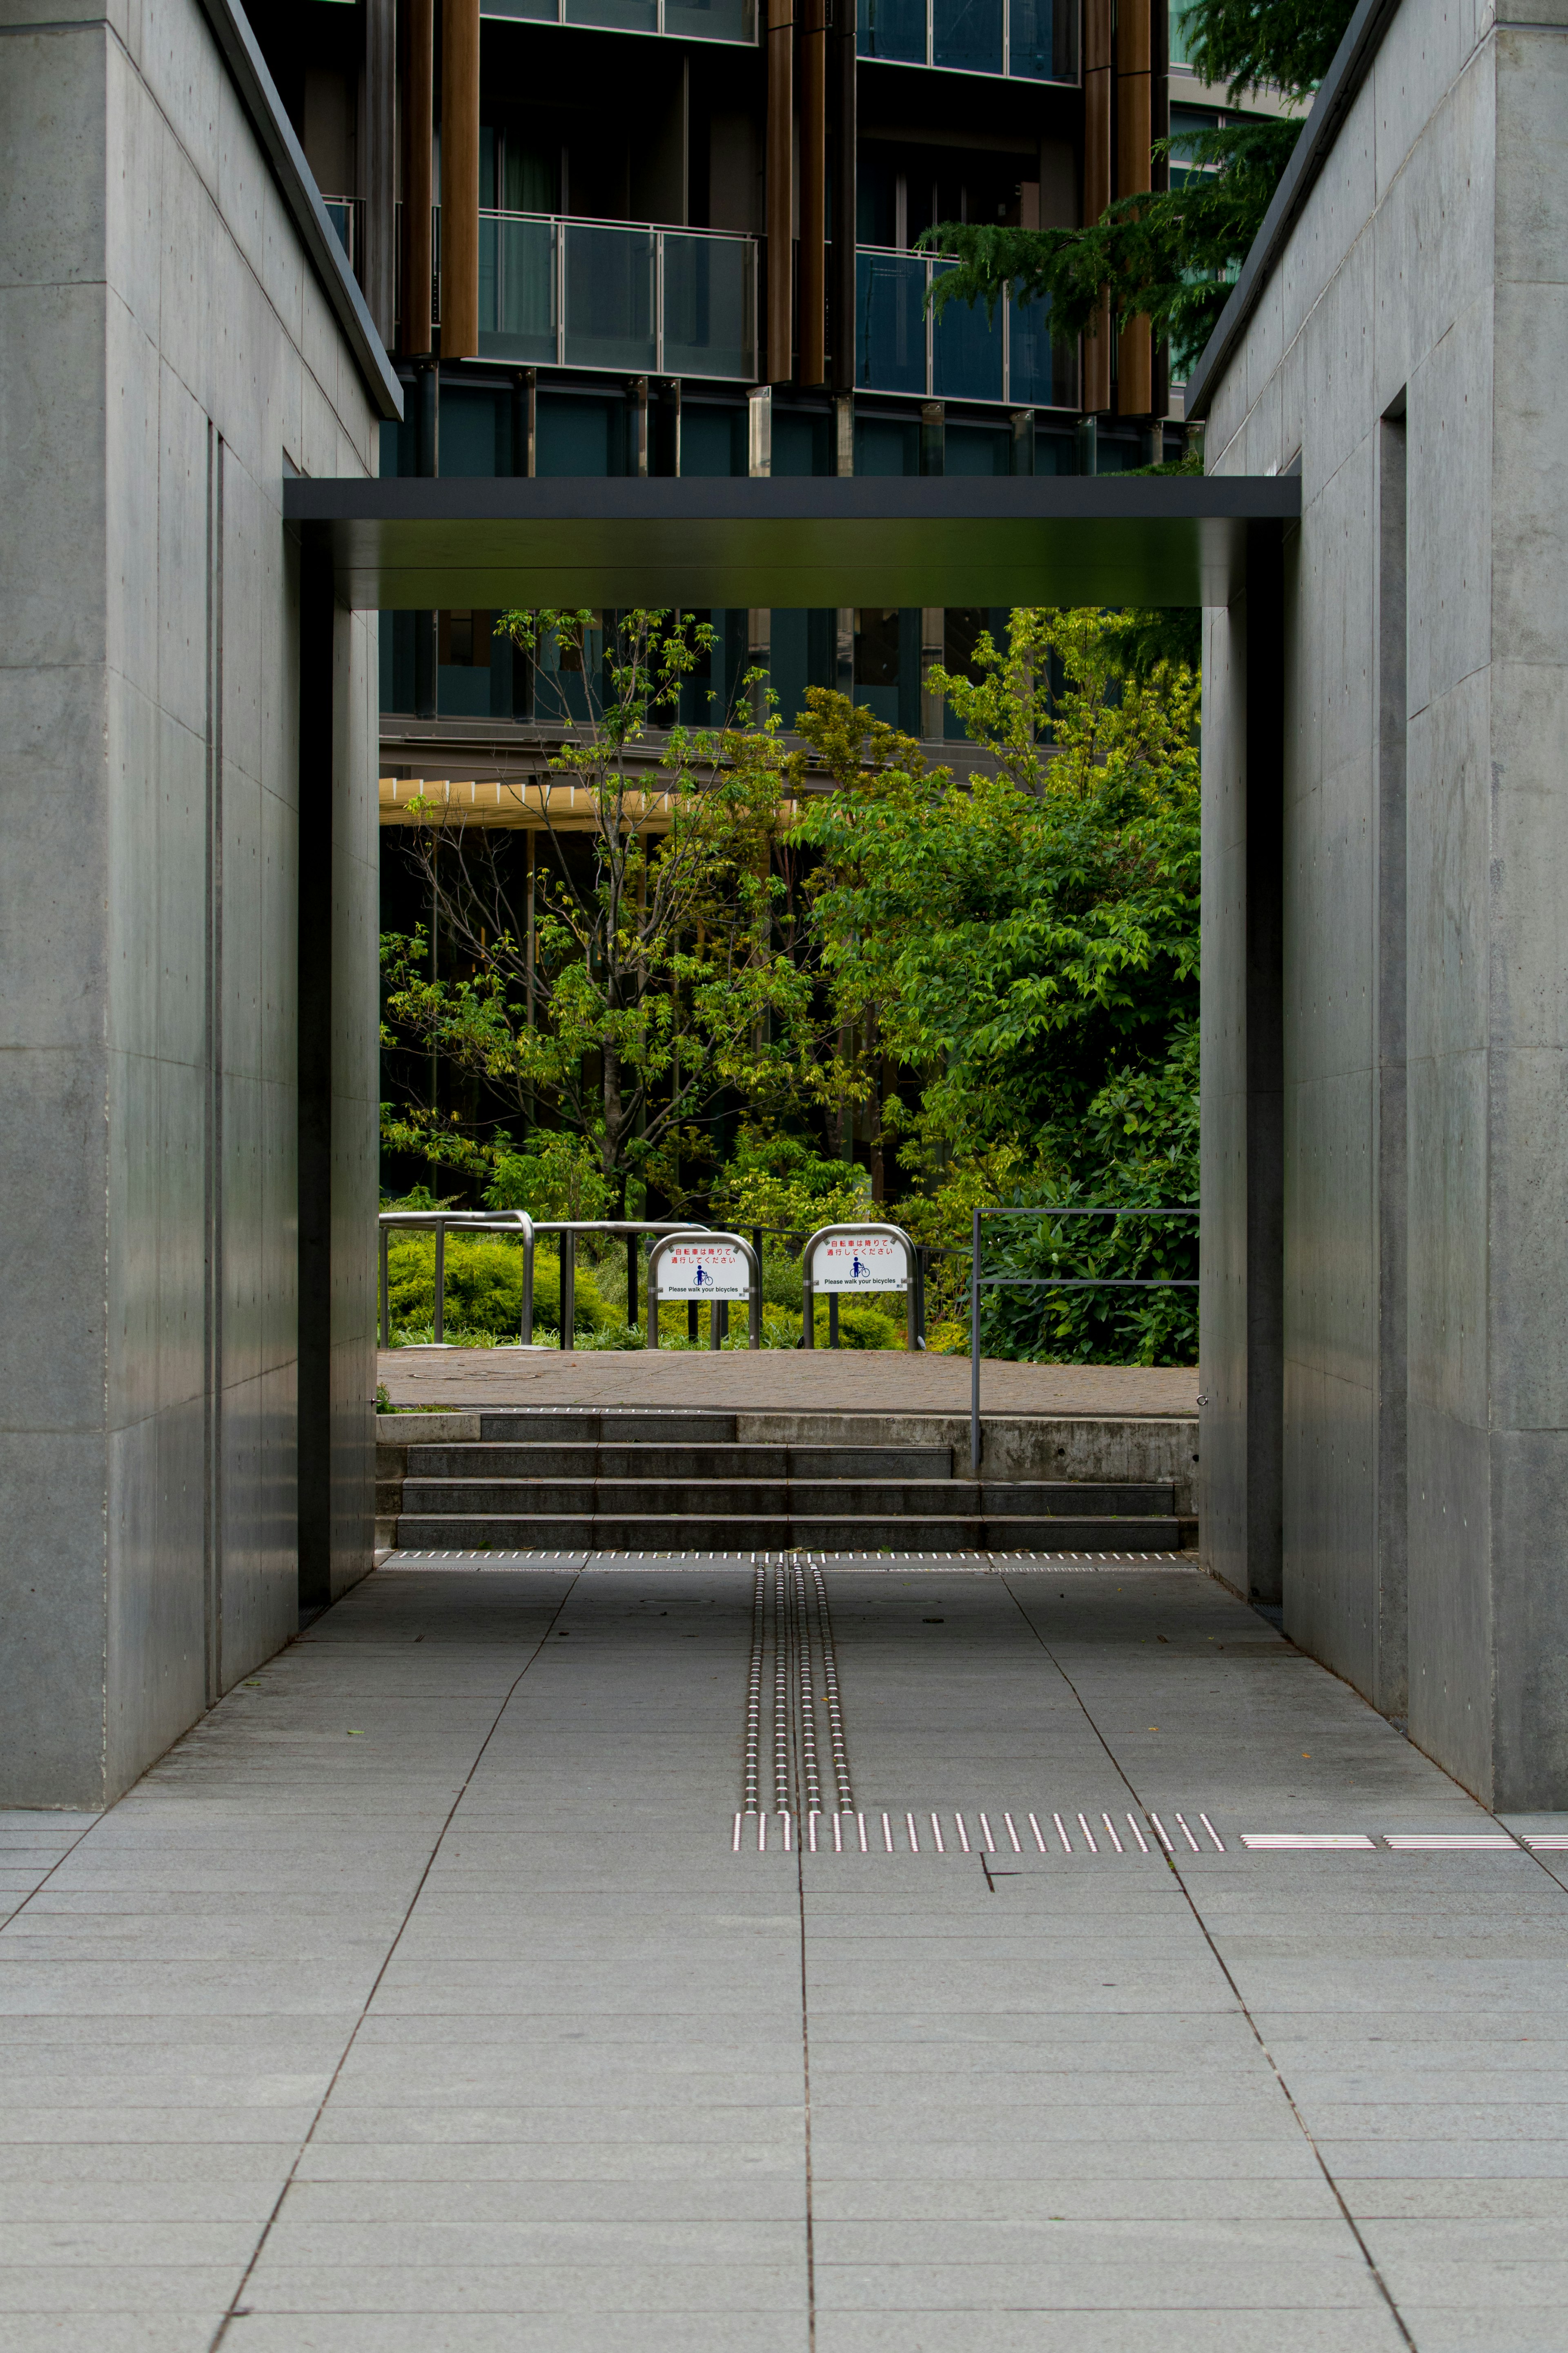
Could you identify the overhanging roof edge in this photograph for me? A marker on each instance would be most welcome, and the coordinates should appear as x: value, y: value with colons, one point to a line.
x: 258, y: 96
x: 478, y: 500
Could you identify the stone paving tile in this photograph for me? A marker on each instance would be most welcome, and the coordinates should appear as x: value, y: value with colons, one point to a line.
x: 480, y: 2009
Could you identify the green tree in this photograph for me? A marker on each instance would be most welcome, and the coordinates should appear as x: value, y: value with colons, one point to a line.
x: 661, y: 977
x: 1170, y: 257
x: 1030, y: 942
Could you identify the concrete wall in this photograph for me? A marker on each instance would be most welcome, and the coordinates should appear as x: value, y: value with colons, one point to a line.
x: 165, y: 352
x: 1417, y: 322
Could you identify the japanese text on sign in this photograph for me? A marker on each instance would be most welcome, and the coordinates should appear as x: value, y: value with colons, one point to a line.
x: 859, y: 1262
x: 703, y: 1270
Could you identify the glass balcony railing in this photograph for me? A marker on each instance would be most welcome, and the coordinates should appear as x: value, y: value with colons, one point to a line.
x: 596, y: 294
x: 347, y: 217
x: 959, y: 355
x: 693, y: 20
x: 1035, y: 40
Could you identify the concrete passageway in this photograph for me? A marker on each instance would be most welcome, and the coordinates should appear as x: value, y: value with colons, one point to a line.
x: 428, y: 1994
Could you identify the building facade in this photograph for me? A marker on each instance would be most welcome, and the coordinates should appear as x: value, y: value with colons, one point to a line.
x: 679, y: 236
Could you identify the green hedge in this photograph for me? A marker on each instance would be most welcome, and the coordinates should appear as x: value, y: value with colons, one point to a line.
x: 484, y: 1287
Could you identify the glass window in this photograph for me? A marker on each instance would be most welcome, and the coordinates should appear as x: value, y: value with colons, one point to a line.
x: 464, y: 641
x: 707, y: 306
x: 711, y: 20
x: 891, y: 28
x: 615, y: 16
x: 1041, y: 374
x: 967, y: 353
x: 967, y: 34
x: 1042, y: 40
x: 516, y: 287
x: 609, y: 298
x: 889, y: 321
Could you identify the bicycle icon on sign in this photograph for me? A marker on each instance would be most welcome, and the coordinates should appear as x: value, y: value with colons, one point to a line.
x: 702, y: 1279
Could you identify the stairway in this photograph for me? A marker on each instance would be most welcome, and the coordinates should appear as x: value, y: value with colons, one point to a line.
x: 629, y: 1481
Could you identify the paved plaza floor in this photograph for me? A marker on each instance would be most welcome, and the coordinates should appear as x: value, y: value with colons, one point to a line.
x: 438, y: 1994
x: 808, y: 1380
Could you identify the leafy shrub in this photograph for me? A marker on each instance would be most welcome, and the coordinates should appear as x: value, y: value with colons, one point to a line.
x: 859, y: 1326
x: 484, y: 1289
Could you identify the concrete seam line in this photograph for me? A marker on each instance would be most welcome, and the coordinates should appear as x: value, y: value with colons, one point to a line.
x: 232, y: 2311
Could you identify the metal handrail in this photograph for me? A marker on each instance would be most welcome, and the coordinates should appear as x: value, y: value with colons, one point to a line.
x: 977, y: 1281
x: 515, y: 1221
x: 716, y: 1318
x: 559, y: 226
x: 503, y: 1222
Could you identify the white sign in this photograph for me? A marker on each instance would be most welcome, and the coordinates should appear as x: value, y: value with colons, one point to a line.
x: 859, y: 1262
x: 703, y: 1269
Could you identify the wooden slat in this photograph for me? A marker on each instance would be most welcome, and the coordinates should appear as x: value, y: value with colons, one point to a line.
x: 460, y: 179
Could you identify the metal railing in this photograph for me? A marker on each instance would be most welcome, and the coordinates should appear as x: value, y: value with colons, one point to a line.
x: 347, y: 217
x: 501, y: 1221
x: 978, y: 1282
x: 719, y: 1309
x: 1033, y: 40
x: 518, y: 1224
x: 959, y: 353
x: 692, y: 20
x: 618, y: 295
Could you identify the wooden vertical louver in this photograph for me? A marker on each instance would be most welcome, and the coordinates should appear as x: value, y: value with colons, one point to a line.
x: 1099, y: 78
x: 1134, y: 178
x: 813, y: 193
x: 781, y: 190
x: 460, y: 179
x: 418, y: 114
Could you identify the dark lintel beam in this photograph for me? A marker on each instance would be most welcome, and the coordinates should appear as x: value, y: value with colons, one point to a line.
x: 804, y: 541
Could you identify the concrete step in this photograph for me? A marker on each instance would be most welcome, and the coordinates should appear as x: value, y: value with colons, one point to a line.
x: 792, y: 1498
x: 661, y: 1531
x: 677, y: 1462
x: 621, y: 1425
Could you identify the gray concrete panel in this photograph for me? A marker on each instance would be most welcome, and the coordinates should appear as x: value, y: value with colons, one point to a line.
x: 162, y: 353
x: 1417, y: 275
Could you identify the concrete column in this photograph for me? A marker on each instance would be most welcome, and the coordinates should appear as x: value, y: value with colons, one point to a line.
x: 1242, y: 1265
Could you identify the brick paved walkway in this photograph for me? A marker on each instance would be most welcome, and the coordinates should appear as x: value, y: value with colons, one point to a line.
x: 821, y: 1380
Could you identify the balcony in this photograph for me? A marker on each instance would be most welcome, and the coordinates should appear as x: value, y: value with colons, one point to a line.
x: 691, y: 20
x: 594, y: 295
x: 346, y: 214
x: 962, y: 356
x: 1033, y: 40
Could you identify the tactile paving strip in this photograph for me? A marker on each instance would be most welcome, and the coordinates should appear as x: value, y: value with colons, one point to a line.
x: 957, y: 1830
